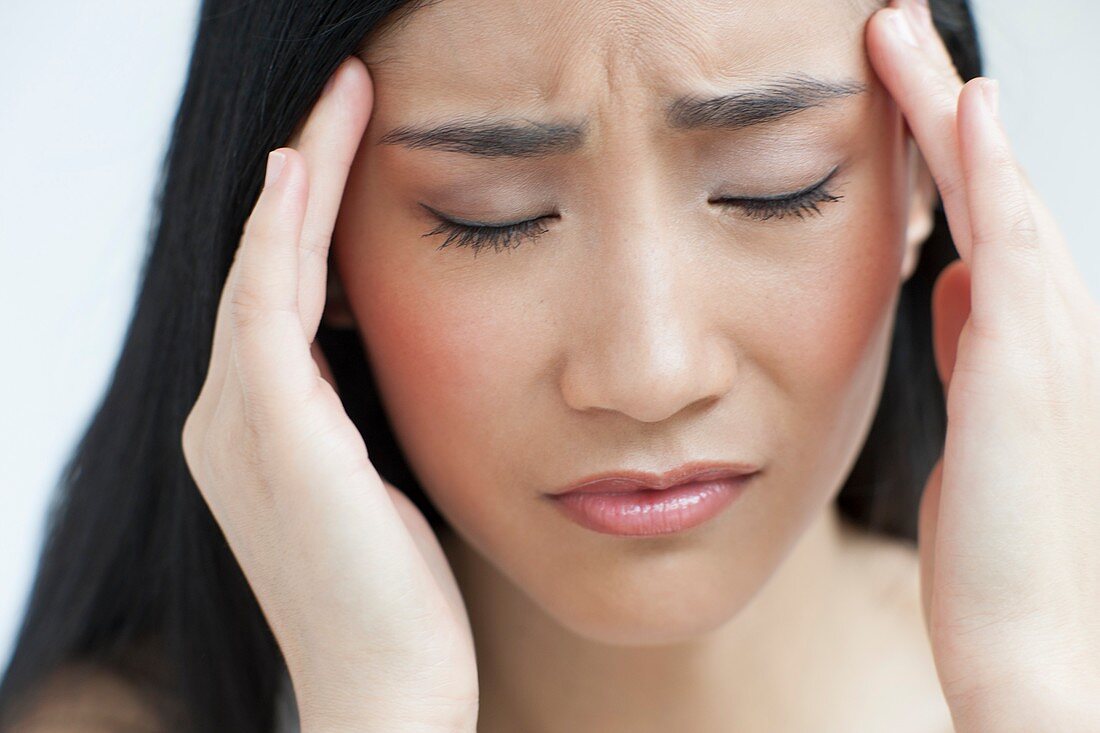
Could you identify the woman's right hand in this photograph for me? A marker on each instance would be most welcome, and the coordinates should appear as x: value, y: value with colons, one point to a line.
x: 347, y: 571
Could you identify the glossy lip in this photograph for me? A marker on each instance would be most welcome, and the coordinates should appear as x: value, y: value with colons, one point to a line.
x: 652, y: 512
x: 623, y: 481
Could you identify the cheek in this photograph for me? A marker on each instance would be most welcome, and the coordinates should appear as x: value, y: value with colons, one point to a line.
x: 452, y: 368
x: 826, y: 346
x: 455, y: 353
x: 835, y: 317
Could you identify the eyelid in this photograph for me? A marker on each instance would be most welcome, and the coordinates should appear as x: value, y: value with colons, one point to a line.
x: 457, y: 220
x: 793, y: 195
x: 507, y: 235
x: 481, y: 224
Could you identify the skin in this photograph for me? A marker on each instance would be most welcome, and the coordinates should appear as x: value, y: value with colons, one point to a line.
x: 514, y: 373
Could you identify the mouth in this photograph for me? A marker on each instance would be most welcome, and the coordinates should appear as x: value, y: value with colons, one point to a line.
x: 617, y: 482
x: 634, y: 503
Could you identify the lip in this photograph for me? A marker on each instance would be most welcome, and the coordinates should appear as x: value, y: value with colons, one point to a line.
x: 618, y: 482
x: 637, y: 503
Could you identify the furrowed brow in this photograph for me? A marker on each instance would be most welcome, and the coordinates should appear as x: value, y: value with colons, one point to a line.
x: 491, y: 139
x: 511, y: 138
x: 756, y: 105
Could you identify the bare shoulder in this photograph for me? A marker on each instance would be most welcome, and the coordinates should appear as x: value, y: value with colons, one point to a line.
x: 81, y: 698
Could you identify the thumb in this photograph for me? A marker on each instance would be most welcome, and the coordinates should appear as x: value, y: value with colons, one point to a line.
x: 926, y: 537
x: 950, y: 311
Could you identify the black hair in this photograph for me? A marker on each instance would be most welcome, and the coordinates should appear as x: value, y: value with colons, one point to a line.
x: 135, y: 575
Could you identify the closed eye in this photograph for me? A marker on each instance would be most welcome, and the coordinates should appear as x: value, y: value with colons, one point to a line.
x: 509, y: 235
x: 477, y: 236
x: 799, y: 203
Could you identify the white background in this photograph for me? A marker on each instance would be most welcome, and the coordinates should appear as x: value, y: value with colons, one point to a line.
x: 87, y: 93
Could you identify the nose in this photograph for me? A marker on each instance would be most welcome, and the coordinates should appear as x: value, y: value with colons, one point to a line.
x: 646, y: 342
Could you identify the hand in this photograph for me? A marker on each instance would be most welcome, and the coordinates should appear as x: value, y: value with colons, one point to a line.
x: 1009, y: 528
x: 349, y: 575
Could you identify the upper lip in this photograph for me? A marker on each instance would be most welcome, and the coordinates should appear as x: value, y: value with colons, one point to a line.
x: 630, y: 480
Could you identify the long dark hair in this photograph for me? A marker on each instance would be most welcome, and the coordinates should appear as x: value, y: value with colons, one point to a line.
x: 135, y: 575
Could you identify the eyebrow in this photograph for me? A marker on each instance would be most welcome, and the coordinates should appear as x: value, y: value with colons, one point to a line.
x: 495, y: 138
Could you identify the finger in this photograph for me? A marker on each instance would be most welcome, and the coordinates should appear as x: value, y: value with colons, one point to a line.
x: 328, y: 139
x: 927, y: 518
x: 220, y: 351
x: 909, y: 57
x: 1062, y: 267
x: 325, y: 137
x: 1009, y: 265
x: 271, y: 352
x: 221, y: 345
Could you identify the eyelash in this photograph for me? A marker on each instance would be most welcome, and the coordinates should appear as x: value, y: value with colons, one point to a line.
x: 509, y: 236
x: 480, y: 236
x: 799, y: 203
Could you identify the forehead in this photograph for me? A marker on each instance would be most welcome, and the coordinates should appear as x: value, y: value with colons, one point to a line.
x: 500, y: 53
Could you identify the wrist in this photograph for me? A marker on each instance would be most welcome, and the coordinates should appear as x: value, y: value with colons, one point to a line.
x: 386, y: 726
x: 1045, y: 705
x: 360, y: 702
x: 367, y: 708
x: 409, y: 720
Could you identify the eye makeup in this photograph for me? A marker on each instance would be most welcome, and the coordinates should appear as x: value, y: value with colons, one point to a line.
x: 798, y: 203
x: 478, y: 236
x: 509, y: 235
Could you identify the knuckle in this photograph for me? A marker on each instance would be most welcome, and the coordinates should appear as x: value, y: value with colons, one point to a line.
x: 1022, y: 228
x: 246, y: 309
x: 315, y: 247
x: 945, y: 94
x: 1017, y: 228
x: 950, y: 186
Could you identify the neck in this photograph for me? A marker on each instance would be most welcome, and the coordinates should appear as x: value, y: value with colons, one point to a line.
x: 535, y: 675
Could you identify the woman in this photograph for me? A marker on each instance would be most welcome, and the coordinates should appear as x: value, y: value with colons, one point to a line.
x: 543, y: 243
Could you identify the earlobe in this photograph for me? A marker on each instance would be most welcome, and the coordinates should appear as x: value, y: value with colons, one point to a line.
x: 923, y: 199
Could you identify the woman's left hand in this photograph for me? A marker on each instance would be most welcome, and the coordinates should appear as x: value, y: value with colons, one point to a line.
x: 1009, y: 529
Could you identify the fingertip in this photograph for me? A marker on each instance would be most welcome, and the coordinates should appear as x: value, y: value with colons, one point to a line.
x: 282, y: 201
x: 352, y: 82
x: 877, y: 27
x: 978, y: 120
x: 276, y: 159
x: 361, y: 86
x: 886, y: 47
x: 985, y: 93
x: 292, y: 181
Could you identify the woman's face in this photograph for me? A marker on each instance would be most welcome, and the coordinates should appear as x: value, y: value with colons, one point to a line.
x: 648, y: 325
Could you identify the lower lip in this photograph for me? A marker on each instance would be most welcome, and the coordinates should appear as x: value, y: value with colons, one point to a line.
x: 651, y: 511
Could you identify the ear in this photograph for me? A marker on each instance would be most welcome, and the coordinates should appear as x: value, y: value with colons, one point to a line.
x: 337, y: 313
x: 923, y: 199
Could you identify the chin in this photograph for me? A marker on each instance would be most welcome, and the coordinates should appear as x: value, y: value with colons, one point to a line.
x: 650, y: 606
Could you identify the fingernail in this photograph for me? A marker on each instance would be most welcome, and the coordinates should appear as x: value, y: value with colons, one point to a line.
x: 991, y: 92
x: 899, y: 23
x: 275, y: 162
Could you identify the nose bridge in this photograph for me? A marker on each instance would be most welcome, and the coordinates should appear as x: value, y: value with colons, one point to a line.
x: 644, y: 346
